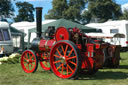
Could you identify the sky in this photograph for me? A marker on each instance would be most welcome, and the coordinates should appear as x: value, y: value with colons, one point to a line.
x: 47, y: 5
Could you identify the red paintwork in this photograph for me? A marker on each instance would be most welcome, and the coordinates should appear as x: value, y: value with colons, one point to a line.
x: 127, y: 42
x: 91, y: 54
x: 46, y: 45
x: 62, y: 34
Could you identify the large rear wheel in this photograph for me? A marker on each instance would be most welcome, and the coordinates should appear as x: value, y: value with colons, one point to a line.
x: 29, y: 61
x: 65, y: 59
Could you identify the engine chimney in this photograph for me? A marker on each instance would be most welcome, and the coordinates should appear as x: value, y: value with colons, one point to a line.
x: 39, y: 21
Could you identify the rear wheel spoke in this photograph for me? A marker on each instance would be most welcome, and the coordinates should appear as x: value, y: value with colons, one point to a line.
x: 70, y: 52
x: 72, y: 63
x: 62, y: 69
x: 57, y: 56
x: 57, y: 61
x: 69, y: 67
x: 59, y: 67
x: 69, y: 58
x: 59, y: 52
x: 65, y: 50
x: 67, y: 70
x: 62, y: 48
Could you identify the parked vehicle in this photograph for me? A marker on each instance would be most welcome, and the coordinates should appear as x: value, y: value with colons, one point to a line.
x: 6, y: 43
x: 113, y: 28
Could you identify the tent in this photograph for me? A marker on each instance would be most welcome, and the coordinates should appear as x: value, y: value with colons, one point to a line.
x: 61, y: 22
x: 24, y: 26
x: 66, y: 24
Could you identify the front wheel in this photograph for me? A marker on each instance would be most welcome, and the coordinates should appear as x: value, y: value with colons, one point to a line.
x: 29, y: 61
x: 44, y: 61
x: 65, y: 59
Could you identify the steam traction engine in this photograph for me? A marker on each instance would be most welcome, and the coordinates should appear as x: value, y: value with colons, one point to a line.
x: 65, y: 51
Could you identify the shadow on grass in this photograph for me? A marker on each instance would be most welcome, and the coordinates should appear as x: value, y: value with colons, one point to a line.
x: 123, y: 67
x: 104, y: 75
x: 47, y: 72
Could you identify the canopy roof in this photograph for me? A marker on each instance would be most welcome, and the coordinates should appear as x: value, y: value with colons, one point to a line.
x: 65, y: 23
x: 14, y: 30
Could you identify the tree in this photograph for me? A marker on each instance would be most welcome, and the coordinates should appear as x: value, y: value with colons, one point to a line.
x: 74, y: 10
x: 85, y: 17
x: 68, y: 9
x: 104, y: 9
x: 25, y: 12
x: 125, y: 15
x: 6, y: 9
x: 58, y: 10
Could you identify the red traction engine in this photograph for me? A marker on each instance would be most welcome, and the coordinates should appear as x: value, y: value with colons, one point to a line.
x: 65, y: 51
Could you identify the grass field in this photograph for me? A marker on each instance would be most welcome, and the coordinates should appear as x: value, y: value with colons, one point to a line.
x: 13, y: 75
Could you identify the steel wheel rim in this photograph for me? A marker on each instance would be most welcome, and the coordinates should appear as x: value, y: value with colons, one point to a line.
x: 70, y: 61
x: 28, y: 61
x: 44, y: 62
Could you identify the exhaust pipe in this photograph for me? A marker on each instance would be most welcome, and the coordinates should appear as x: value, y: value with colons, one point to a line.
x: 39, y: 21
x: 36, y: 41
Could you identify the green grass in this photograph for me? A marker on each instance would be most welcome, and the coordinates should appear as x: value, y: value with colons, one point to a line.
x: 13, y: 75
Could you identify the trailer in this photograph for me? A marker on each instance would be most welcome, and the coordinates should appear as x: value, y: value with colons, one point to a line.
x: 112, y: 28
x: 6, y: 43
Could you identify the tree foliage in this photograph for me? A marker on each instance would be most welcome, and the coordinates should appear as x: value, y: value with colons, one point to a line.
x: 25, y: 12
x: 104, y: 9
x: 72, y: 10
x: 59, y: 7
x: 125, y: 15
x: 6, y: 9
x: 68, y: 9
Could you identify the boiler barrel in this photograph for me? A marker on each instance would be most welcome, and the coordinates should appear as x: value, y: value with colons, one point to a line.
x: 46, y: 45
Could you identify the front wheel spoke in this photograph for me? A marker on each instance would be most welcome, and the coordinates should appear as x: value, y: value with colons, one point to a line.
x: 27, y: 66
x: 57, y: 61
x: 31, y: 57
x: 71, y: 57
x: 25, y: 58
x: 26, y: 55
x: 59, y: 67
x: 33, y: 60
x: 24, y: 62
x: 72, y: 63
x: 32, y: 65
